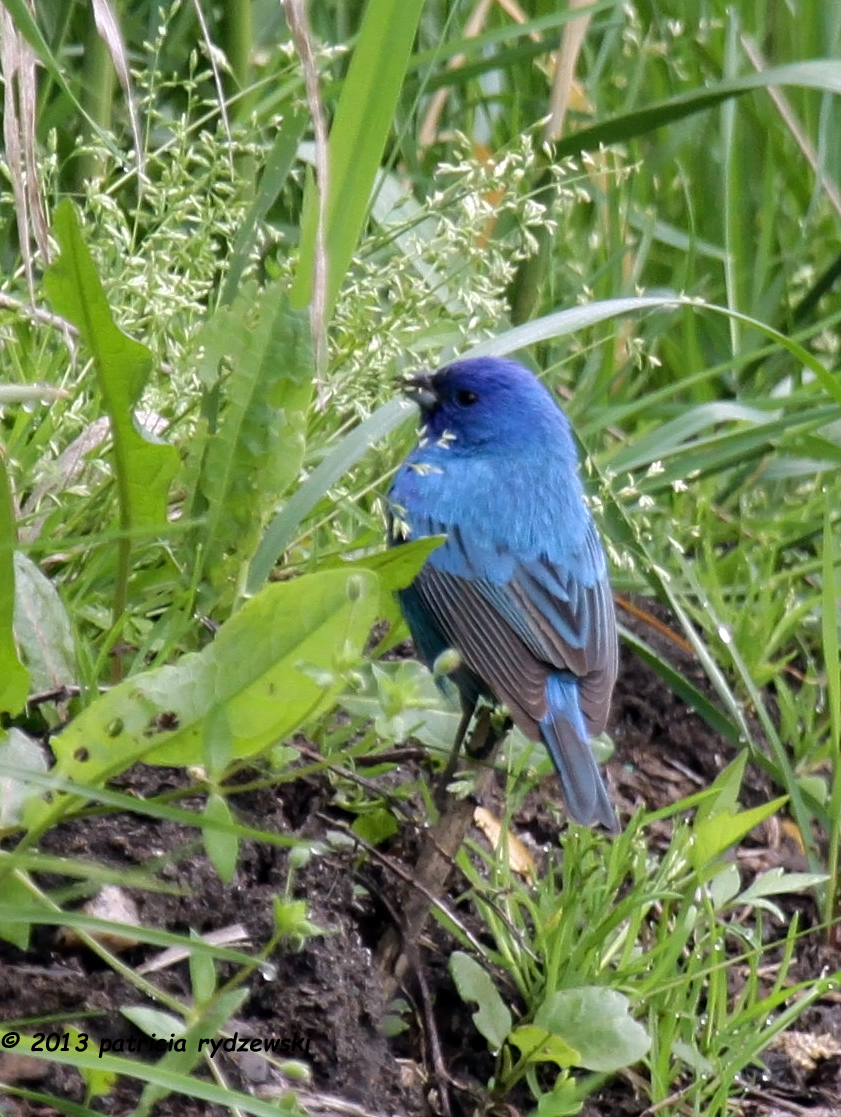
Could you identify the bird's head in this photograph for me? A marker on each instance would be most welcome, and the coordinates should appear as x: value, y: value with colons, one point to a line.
x: 486, y: 402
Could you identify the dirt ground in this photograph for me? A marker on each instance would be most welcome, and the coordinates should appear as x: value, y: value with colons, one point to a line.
x: 328, y: 993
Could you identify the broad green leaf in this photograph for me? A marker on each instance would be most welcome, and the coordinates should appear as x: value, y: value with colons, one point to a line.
x: 217, y: 742
x: 143, y: 468
x: 362, y: 124
x: 14, y: 678
x: 595, y: 1021
x: 221, y: 847
x: 273, y: 665
x: 375, y: 826
x: 398, y: 566
x: 22, y: 754
x: 42, y: 627
x: 539, y: 1046
x: 777, y: 882
x: 725, y: 884
x: 474, y: 985
x: 562, y: 1101
x: 402, y: 701
x: 257, y: 442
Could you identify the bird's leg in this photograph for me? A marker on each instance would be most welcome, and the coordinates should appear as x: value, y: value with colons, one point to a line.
x: 489, y: 732
x: 446, y: 776
x: 486, y: 734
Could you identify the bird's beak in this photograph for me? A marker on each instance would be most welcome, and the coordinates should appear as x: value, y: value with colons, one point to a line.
x: 420, y: 387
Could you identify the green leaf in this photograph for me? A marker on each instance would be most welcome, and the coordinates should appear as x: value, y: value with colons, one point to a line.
x: 404, y: 702
x: 564, y: 322
x: 202, y: 973
x: 831, y: 601
x: 14, y: 678
x: 217, y: 742
x: 98, y: 1084
x: 21, y: 754
x: 777, y: 882
x: 42, y: 627
x: 221, y: 847
x: 272, y: 666
x: 16, y: 897
x: 538, y: 1046
x: 292, y: 919
x: 215, y: 1016
x: 144, y: 468
x: 257, y: 443
x: 595, y: 1021
x: 474, y: 984
x: 375, y: 826
x: 160, y: 1074
x: 361, y: 126
x: 813, y: 74
x: 724, y: 791
x: 272, y: 180
x: 721, y: 831
x: 398, y: 566
x: 153, y: 1021
x: 347, y: 453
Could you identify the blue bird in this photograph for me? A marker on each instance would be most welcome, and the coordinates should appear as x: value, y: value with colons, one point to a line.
x: 520, y: 587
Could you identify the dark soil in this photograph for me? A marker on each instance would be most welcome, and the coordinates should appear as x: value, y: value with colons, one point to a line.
x: 326, y: 992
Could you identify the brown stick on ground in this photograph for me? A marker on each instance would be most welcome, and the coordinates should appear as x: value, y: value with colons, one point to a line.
x: 440, y: 845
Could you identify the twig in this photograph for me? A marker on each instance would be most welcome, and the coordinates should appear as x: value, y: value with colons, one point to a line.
x: 296, y: 17
x: 407, y: 877
x: 440, y: 845
x: 565, y: 63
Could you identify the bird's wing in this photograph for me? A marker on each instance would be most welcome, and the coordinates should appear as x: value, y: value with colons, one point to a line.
x: 513, y: 634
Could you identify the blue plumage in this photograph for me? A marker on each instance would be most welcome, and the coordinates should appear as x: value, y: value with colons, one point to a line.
x: 520, y: 587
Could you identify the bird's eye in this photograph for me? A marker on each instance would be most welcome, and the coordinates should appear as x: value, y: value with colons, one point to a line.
x: 466, y: 398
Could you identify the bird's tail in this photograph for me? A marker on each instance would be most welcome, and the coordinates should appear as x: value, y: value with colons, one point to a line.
x: 565, y: 735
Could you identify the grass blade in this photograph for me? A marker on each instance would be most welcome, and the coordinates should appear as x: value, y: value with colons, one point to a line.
x: 358, y: 137
x: 14, y: 681
x: 348, y: 452
x: 821, y: 74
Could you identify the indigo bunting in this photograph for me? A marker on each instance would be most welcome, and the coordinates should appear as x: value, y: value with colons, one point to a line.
x: 520, y: 587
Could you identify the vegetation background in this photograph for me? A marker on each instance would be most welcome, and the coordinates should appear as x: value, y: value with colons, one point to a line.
x: 224, y: 231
